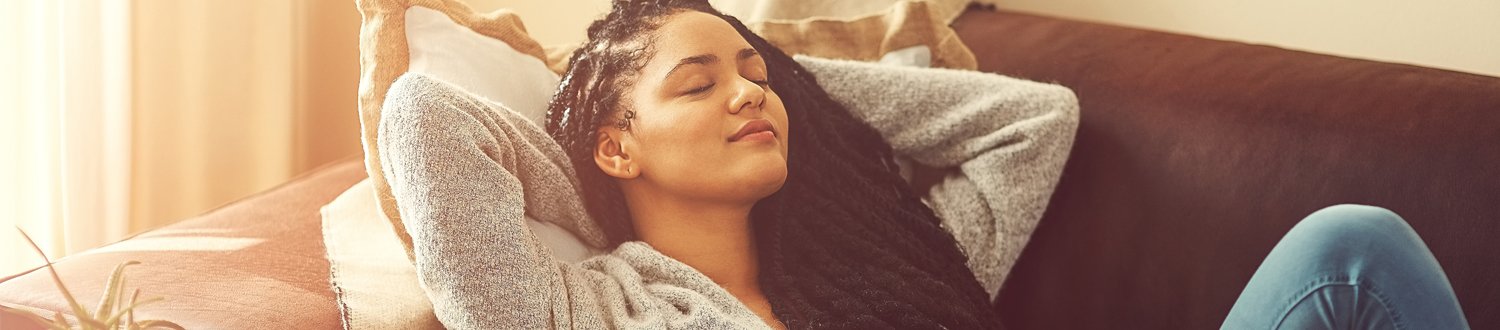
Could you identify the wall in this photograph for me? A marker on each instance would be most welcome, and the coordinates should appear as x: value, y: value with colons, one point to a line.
x: 230, y: 98
x: 327, y: 92
x: 1461, y: 35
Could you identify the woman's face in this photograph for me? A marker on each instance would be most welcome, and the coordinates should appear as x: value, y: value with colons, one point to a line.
x: 706, y: 123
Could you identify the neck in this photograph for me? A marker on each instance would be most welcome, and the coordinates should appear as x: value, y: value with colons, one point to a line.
x: 713, y: 238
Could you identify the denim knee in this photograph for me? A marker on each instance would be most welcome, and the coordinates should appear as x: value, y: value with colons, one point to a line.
x: 1350, y: 226
x: 1351, y: 220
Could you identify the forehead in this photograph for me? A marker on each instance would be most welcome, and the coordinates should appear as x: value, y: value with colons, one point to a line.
x: 692, y: 33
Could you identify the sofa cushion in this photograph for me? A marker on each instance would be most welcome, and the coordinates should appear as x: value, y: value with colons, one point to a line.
x: 254, y: 263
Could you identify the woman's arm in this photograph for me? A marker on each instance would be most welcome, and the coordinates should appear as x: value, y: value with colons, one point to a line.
x: 464, y: 174
x: 1008, y: 138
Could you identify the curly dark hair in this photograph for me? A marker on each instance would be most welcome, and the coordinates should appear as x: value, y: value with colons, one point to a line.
x: 844, y: 244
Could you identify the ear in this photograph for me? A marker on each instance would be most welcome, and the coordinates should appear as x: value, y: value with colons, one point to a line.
x: 610, y: 155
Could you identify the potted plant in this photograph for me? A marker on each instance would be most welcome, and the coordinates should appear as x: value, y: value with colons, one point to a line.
x: 113, y: 311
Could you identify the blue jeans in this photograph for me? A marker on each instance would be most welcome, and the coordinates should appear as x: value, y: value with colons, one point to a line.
x: 1348, y: 267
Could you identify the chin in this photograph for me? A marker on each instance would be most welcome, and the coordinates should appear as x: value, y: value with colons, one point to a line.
x: 762, y: 181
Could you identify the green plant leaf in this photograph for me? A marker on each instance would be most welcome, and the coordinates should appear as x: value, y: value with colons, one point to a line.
x: 77, y: 309
x: 112, y: 291
x: 90, y: 323
x: 130, y: 313
x: 116, y: 318
x: 108, y: 303
x: 60, y: 322
x: 147, y: 324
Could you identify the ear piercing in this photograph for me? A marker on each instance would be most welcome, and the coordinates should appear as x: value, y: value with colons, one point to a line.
x: 624, y: 124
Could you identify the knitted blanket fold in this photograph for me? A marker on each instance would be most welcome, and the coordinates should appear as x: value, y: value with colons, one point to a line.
x: 466, y: 172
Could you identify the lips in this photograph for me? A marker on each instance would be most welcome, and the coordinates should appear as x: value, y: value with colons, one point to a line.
x: 753, y: 127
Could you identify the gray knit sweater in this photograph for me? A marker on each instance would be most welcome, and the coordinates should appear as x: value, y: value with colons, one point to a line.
x: 467, y: 172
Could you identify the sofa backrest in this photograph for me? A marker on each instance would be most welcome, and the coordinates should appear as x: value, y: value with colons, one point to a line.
x: 1195, y: 156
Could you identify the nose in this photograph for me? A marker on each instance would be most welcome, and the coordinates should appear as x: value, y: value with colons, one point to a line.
x: 748, y: 95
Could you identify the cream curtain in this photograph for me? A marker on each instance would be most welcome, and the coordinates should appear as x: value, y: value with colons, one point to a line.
x: 119, y: 116
x: 64, y: 127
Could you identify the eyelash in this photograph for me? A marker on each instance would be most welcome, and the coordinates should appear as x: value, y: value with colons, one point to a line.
x: 700, y: 90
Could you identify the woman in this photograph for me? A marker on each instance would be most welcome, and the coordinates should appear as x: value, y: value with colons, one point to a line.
x: 733, y: 189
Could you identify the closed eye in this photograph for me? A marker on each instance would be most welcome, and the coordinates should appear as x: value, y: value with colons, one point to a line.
x: 700, y: 90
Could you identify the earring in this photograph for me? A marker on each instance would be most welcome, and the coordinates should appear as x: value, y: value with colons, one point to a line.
x: 624, y: 124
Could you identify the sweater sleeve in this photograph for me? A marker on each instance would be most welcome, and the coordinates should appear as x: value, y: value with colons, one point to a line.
x: 1006, y: 138
x: 467, y: 173
x: 464, y: 176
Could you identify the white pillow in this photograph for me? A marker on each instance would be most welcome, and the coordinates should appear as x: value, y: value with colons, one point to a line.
x: 484, y: 66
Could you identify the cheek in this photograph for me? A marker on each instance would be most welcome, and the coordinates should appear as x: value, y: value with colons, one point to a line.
x: 675, y: 139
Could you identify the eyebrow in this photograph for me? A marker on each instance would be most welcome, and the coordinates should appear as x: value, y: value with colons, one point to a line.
x: 707, y: 59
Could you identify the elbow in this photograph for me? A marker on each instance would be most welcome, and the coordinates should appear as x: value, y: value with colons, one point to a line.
x: 1063, y: 102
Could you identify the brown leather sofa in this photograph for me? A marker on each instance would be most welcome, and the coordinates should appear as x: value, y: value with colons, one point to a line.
x: 1193, y: 157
